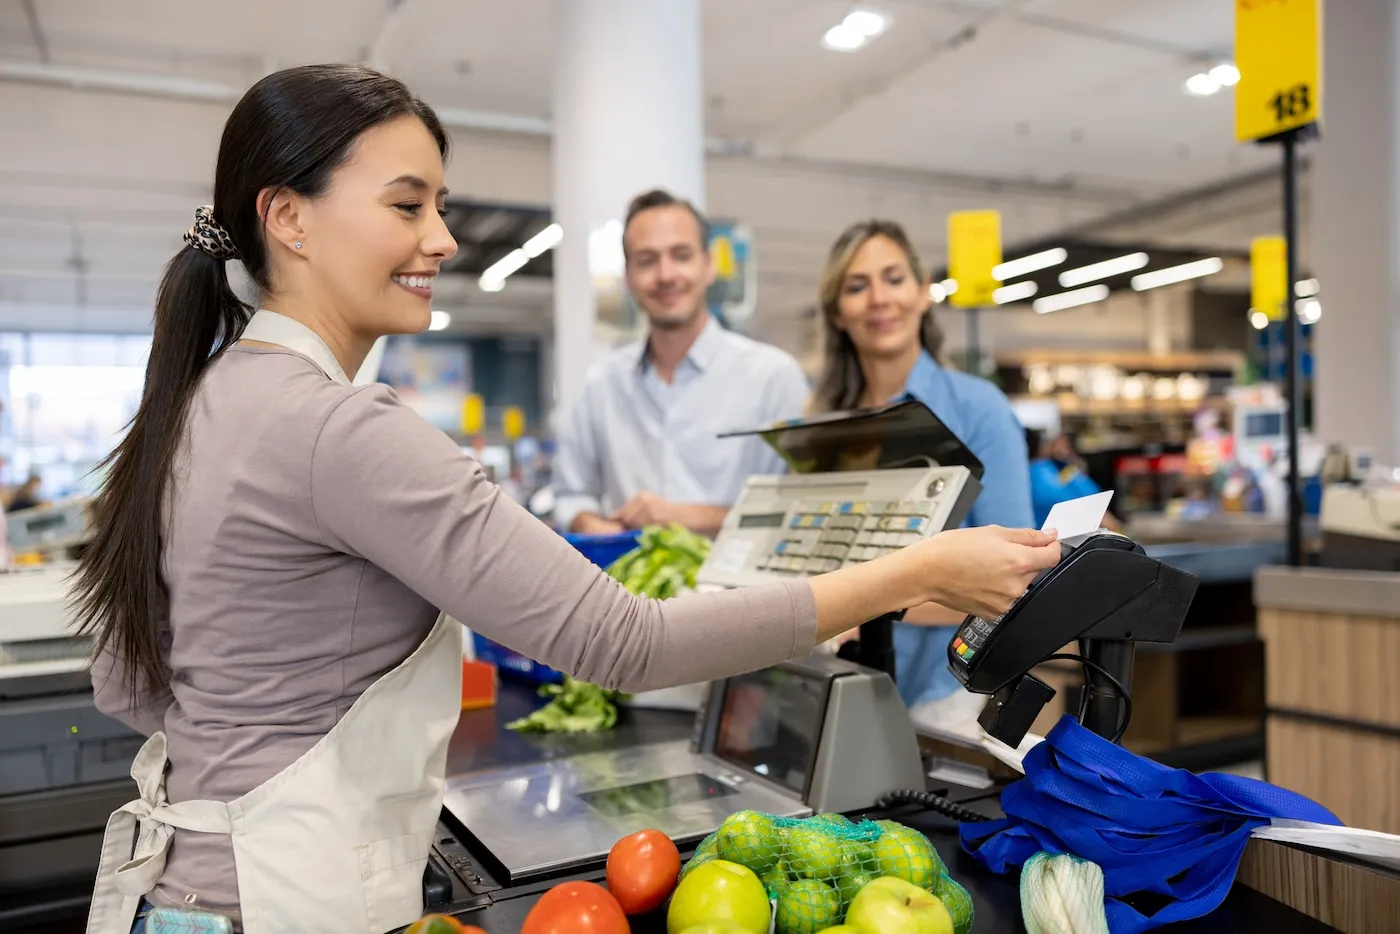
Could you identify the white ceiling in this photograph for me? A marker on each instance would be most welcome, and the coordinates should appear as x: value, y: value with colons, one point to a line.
x: 1058, y: 112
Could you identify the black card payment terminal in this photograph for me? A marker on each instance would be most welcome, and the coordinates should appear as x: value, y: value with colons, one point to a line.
x: 1107, y: 594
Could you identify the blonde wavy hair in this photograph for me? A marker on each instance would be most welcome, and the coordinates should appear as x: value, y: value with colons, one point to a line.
x: 841, y: 381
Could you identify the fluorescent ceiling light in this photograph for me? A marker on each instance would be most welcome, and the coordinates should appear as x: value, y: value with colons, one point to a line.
x: 1310, y: 312
x: 936, y: 293
x: 1225, y: 74
x: 1027, y: 264
x: 868, y: 23
x: 950, y: 286
x: 1258, y: 320
x: 491, y: 285
x: 546, y: 239
x: 858, y: 28
x: 1109, y: 267
x: 1094, y: 293
x: 1306, y: 288
x: 507, y: 265
x: 1201, y: 85
x: 439, y: 321
x: 1174, y: 274
x: 1016, y: 292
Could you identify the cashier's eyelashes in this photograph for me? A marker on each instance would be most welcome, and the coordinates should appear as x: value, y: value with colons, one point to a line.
x: 286, y: 137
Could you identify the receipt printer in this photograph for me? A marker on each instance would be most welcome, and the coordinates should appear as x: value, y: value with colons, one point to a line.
x: 1107, y: 594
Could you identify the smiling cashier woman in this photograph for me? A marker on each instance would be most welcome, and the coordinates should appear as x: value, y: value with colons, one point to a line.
x: 883, y: 343
x: 272, y: 546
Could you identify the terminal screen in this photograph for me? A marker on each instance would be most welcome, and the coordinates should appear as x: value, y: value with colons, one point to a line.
x: 766, y: 520
x: 770, y: 723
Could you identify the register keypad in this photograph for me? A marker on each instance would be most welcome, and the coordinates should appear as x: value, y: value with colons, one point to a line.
x: 823, y: 535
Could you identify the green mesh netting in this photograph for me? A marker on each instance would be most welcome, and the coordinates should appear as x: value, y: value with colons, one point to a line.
x: 814, y: 867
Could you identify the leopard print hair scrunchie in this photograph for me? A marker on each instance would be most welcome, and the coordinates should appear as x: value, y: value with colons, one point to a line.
x: 208, y: 237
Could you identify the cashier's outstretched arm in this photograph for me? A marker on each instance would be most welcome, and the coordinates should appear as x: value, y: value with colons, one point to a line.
x: 389, y: 487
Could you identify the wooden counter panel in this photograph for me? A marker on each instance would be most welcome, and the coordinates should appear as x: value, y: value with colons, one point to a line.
x: 1352, y: 899
x: 1338, y: 666
x: 1353, y: 774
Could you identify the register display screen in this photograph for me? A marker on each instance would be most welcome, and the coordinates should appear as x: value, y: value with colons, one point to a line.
x: 770, y: 723
x: 766, y: 520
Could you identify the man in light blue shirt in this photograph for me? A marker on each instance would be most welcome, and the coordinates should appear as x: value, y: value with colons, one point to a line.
x: 639, y: 446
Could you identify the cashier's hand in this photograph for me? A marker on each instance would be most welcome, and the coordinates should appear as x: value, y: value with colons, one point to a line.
x: 984, y: 570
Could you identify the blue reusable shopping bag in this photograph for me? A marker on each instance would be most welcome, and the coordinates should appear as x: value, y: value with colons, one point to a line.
x: 1169, y: 838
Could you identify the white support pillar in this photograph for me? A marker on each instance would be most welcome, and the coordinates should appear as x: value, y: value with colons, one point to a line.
x: 1355, y: 235
x: 628, y: 116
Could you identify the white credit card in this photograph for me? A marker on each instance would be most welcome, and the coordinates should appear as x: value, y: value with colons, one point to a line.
x: 1076, y: 518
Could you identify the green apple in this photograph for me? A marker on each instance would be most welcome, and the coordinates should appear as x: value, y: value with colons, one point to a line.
x: 893, y: 906
x: 777, y: 878
x: 906, y: 854
x: 851, y: 883
x: 718, y: 927
x: 750, y: 839
x: 842, y: 929
x: 812, y: 853
x: 719, y: 890
x: 806, y: 906
x: 859, y: 857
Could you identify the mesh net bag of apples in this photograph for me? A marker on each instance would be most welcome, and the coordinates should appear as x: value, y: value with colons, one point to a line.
x: 825, y: 874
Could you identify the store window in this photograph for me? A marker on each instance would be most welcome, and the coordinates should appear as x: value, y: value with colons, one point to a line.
x: 67, y: 400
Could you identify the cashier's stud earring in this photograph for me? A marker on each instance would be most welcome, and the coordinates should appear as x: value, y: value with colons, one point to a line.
x: 297, y: 245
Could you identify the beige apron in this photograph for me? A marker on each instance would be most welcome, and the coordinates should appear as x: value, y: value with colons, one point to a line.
x: 339, y: 839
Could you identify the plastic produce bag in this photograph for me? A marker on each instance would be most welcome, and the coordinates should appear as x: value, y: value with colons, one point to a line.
x: 814, y: 867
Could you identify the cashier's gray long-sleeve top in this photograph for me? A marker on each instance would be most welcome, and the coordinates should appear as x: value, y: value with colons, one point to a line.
x: 314, y: 530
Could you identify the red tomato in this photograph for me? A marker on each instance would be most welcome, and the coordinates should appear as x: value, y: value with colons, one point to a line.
x: 576, y: 908
x: 642, y: 871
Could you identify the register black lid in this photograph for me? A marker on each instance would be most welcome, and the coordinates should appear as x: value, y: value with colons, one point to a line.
x: 900, y: 434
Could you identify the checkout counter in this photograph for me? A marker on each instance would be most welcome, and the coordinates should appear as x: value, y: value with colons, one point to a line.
x: 64, y: 767
x: 523, y: 813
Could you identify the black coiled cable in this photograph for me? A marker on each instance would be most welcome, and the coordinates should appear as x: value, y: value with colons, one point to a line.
x: 932, y: 802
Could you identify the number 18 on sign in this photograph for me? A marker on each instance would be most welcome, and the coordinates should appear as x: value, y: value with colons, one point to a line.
x: 1278, y: 53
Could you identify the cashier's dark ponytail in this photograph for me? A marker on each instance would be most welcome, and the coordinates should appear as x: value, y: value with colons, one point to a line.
x: 842, y: 381
x: 290, y: 131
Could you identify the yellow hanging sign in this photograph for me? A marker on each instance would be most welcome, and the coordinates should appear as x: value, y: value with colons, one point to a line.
x: 513, y: 422
x: 722, y: 255
x: 974, y: 250
x: 1268, y: 277
x: 1278, y: 51
x: 473, y: 414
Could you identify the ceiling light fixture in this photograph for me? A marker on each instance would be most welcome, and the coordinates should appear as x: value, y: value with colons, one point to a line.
x: 1016, y: 292
x: 543, y: 241
x: 950, y: 286
x: 1225, y: 74
x: 1028, y: 264
x: 1096, y: 271
x: 936, y: 293
x: 1094, y: 293
x: 1201, y: 85
x: 1174, y: 274
x: 858, y: 28
x: 439, y: 321
x: 494, y: 278
x: 1306, y: 288
x: 1310, y: 311
x: 1258, y: 320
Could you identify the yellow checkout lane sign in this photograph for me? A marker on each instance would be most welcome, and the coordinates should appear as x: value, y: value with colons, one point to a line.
x: 1278, y: 51
x: 974, y: 250
x: 1268, y: 275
